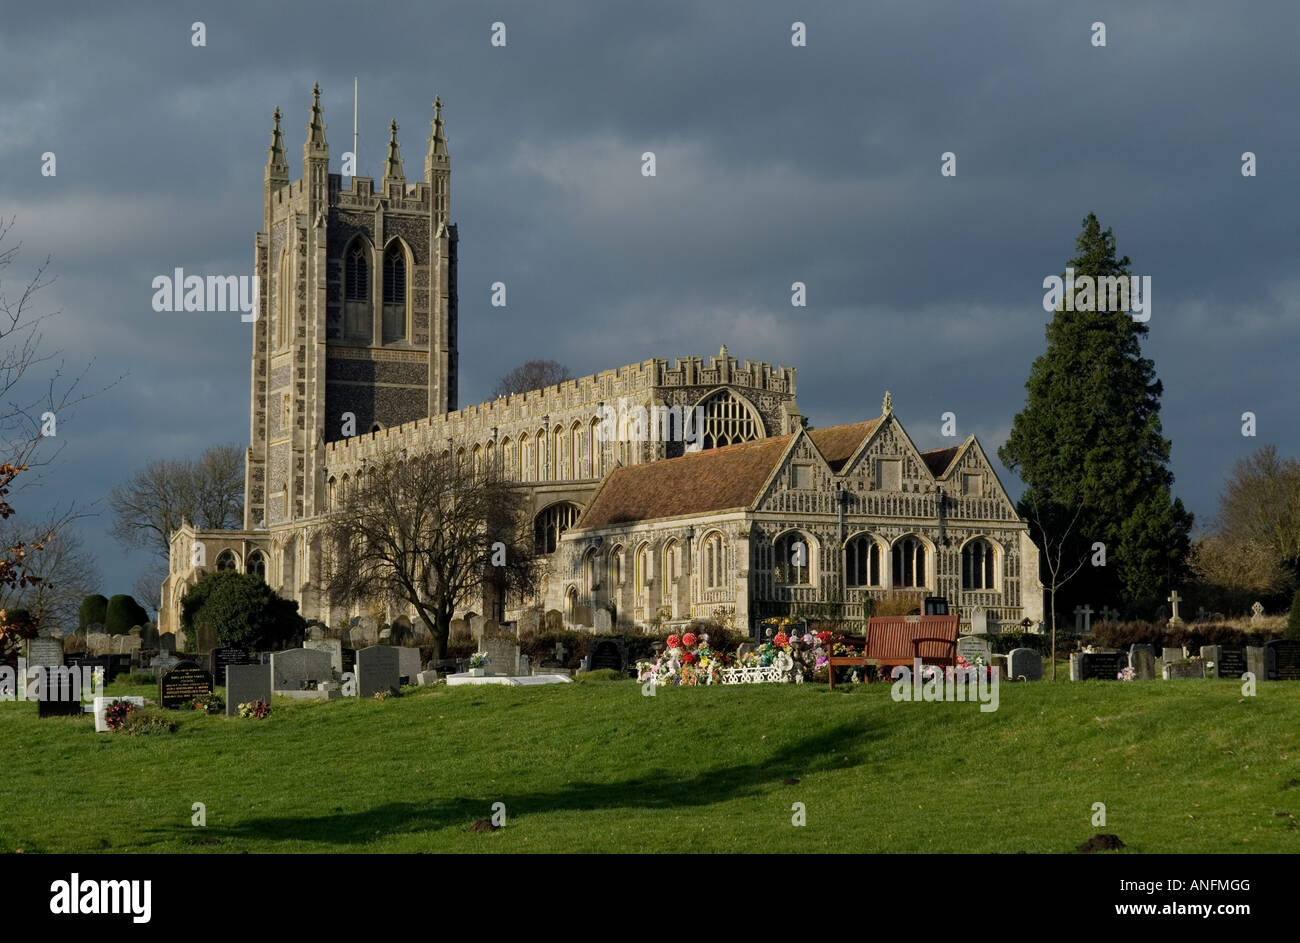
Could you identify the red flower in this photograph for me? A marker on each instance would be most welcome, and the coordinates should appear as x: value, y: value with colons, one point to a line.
x: 674, y: 641
x: 689, y: 658
x: 689, y: 639
x: 781, y: 640
x: 823, y: 637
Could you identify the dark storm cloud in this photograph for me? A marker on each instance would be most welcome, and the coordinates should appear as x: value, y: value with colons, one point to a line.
x: 775, y: 164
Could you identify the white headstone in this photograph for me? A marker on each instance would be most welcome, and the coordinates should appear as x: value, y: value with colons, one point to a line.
x: 979, y: 621
x: 101, y: 704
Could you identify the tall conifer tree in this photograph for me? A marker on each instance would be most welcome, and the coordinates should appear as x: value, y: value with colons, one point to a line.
x: 1090, y: 450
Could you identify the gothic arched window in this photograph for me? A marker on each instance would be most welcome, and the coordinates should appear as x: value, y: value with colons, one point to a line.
x: 257, y: 564
x: 551, y: 523
x: 394, y: 294
x: 225, y: 561
x: 977, y: 565
x: 711, y: 556
x: 727, y: 420
x: 793, y: 563
x: 909, y: 562
x: 357, y: 322
x: 862, y: 562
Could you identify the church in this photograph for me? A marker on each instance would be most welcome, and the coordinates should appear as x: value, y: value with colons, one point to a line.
x: 749, y: 513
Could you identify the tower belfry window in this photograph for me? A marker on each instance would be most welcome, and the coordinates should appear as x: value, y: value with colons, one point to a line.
x: 394, y: 294
x: 358, y: 312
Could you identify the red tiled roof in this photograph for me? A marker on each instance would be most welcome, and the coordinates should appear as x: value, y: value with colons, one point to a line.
x: 838, y: 443
x: 938, y: 460
x: 710, y: 480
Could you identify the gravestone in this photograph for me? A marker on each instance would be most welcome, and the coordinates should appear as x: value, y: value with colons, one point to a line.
x: 979, y: 622
x: 602, y: 621
x: 999, y: 663
x: 300, y: 669
x: 1284, y: 663
x: 179, y: 687
x: 166, y: 642
x: 1257, y: 613
x: 377, y: 670
x: 476, y: 627
x: 98, y: 643
x: 1142, y: 659
x: 60, y: 692
x: 408, y: 663
x: 582, y: 615
x: 970, y: 647
x: 45, y: 652
x: 246, y: 684
x: 530, y: 621
x: 503, y: 655
x: 329, y: 690
x: 1171, y: 655
x: 315, y: 633
x: 1026, y: 662
x: 1101, y: 666
x: 126, y: 645
x: 491, y: 628
x: 148, y: 636
x: 349, y: 660
x: 222, y: 658
x: 331, y: 646
x: 207, y: 638
x: 608, y: 653
x: 402, y: 633
x: 1258, y: 662
x: 554, y: 620
x: 458, y: 628
x: 425, y: 678
x: 1231, y: 661
x: 1187, y: 669
x: 1174, y: 600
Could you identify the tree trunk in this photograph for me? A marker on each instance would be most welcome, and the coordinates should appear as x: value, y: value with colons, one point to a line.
x: 1053, y: 595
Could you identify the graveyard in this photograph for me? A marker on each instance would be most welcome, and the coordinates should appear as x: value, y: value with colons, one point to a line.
x: 593, y: 765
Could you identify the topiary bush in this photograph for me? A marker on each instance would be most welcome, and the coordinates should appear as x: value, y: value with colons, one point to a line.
x: 94, y: 610
x: 122, y: 614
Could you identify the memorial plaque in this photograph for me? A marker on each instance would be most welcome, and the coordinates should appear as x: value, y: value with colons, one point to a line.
x: 222, y: 658
x: 183, y: 684
x: 1285, y: 661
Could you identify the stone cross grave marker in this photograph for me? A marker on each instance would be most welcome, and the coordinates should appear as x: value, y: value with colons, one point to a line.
x: 1257, y: 613
x: 1083, y: 619
x: 1173, y: 600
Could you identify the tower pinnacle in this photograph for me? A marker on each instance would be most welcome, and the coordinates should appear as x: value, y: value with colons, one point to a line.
x: 315, y: 128
x: 277, y: 168
x: 393, y: 163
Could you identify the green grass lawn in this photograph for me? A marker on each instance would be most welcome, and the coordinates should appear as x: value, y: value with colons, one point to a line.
x: 1184, y: 766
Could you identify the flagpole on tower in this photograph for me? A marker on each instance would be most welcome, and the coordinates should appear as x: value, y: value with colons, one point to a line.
x: 354, y: 121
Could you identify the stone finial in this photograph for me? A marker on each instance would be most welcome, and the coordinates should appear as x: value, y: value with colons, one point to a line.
x: 393, y: 163
x: 277, y: 167
x: 437, y: 138
x: 722, y: 352
x: 887, y: 406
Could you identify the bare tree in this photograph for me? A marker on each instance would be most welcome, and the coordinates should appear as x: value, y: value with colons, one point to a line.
x: 65, y: 570
x: 533, y: 375
x: 207, y: 492
x: 1062, y: 554
x: 429, y: 532
x: 1260, y: 505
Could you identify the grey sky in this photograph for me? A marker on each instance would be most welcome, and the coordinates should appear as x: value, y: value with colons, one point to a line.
x: 775, y: 164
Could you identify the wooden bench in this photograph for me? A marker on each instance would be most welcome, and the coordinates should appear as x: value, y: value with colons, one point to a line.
x: 899, y: 640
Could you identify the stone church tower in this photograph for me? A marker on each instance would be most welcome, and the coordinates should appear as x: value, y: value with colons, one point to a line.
x: 356, y: 327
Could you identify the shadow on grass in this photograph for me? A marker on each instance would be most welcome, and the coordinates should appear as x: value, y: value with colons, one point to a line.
x: 838, y: 748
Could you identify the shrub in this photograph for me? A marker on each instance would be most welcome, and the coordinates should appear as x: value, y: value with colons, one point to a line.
x: 600, y: 674
x: 244, y: 611
x: 137, y: 677
x: 122, y: 614
x: 147, y: 721
x: 94, y: 610
x: 1293, y: 620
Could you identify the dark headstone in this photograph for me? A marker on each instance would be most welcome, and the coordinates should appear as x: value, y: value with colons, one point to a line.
x: 222, y: 658
x: 115, y: 665
x: 350, y: 659
x: 1232, y: 662
x: 183, y: 684
x: 377, y: 670
x: 167, y: 642
x: 1102, y: 666
x: 60, y: 692
x: 246, y: 684
x: 607, y: 654
x: 1284, y: 663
